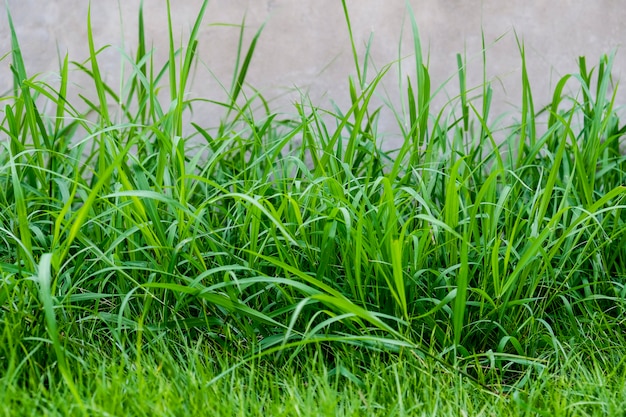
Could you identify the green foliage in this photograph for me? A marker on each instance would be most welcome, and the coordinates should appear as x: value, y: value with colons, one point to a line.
x: 492, y: 262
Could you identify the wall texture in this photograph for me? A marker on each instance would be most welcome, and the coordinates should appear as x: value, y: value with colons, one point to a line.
x: 305, y: 43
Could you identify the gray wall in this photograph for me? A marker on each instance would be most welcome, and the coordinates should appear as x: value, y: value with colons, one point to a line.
x: 305, y: 43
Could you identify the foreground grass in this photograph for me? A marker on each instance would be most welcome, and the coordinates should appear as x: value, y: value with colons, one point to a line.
x: 179, y: 385
x: 288, y: 266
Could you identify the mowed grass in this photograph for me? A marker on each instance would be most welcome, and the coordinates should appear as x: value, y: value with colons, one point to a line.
x: 288, y: 266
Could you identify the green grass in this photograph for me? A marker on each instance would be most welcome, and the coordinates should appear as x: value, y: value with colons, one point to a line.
x: 152, y: 266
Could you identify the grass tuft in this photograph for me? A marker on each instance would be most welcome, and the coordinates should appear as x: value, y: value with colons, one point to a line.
x: 151, y: 264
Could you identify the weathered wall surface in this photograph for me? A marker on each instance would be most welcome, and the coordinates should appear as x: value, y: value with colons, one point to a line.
x: 305, y: 43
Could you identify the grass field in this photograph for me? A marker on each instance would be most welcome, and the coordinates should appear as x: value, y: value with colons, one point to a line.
x: 270, y: 266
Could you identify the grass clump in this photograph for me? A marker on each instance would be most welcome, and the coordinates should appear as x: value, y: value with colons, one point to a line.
x: 156, y: 266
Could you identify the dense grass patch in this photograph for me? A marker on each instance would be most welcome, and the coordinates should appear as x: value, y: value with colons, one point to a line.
x: 154, y: 266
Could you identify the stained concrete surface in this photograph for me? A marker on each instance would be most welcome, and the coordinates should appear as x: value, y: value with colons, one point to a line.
x: 305, y: 43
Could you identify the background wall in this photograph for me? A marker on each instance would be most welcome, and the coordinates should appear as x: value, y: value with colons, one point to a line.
x: 305, y: 42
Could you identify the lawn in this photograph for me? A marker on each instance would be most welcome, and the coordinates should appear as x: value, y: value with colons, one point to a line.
x: 289, y: 266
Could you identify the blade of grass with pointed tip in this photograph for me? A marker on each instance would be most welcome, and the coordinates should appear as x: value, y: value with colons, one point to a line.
x: 44, y: 280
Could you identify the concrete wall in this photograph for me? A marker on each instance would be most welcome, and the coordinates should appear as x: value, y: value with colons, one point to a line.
x: 305, y: 43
